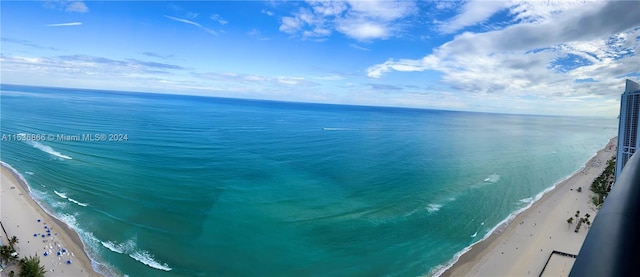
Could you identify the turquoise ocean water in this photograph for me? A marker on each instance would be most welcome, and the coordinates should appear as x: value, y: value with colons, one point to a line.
x: 224, y: 187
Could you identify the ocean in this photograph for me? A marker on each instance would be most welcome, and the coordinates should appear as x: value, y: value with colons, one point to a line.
x: 174, y: 185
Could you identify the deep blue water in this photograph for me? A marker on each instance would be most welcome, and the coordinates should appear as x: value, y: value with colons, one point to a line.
x: 226, y: 187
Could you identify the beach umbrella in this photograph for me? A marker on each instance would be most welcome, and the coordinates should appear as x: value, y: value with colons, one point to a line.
x: 68, y: 261
x: 38, y: 220
x: 43, y: 236
x: 58, y: 253
x: 35, y: 235
x: 64, y: 250
x: 45, y: 254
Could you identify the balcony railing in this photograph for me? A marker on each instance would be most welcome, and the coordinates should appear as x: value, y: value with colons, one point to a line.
x: 612, y: 246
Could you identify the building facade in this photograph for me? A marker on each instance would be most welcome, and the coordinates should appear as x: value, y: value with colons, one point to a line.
x: 628, y: 133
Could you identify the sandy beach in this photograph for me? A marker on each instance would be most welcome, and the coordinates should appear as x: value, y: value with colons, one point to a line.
x: 39, y: 233
x: 525, y: 245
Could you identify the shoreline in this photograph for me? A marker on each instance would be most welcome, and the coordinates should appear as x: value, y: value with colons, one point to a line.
x: 27, y: 217
x: 477, y: 258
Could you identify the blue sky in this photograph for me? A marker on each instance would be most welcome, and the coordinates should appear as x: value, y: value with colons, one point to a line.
x: 532, y: 57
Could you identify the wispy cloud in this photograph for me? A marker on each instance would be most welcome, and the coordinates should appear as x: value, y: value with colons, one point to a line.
x: 219, y: 19
x: 256, y: 80
x: 360, y: 20
x: 88, y: 71
x: 156, y: 55
x: 64, y: 24
x: 384, y: 87
x: 88, y: 65
x: 473, y: 12
x: 127, y: 66
x: 184, y: 12
x: 332, y: 77
x: 212, y: 32
x: 257, y: 34
x: 28, y: 43
x: 355, y: 46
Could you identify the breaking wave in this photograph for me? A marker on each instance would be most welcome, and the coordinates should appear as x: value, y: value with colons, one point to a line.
x: 48, y: 149
x: 129, y: 247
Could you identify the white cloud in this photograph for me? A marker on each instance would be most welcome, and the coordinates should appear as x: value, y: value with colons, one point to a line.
x: 77, y: 6
x: 192, y: 23
x: 239, y: 80
x: 360, y: 20
x: 292, y: 81
x: 382, y: 9
x: 534, y: 58
x: 537, y: 11
x: 290, y: 25
x: 85, y: 71
x: 364, y: 29
x: 64, y: 24
x: 473, y: 12
x: 67, y: 5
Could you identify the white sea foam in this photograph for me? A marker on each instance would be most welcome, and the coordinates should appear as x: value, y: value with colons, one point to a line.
x: 16, y: 173
x: 111, y: 246
x: 146, y: 258
x: 474, y: 234
x: 62, y: 195
x: 59, y: 205
x: 434, y: 207
x: 28, y: 172
x: 411, y: 212
x: 48, y: 149
x: 69, y: 220
x: 493, y: 178
x: 74, y: 201
x: 526, y: 200
x: 129, y: 247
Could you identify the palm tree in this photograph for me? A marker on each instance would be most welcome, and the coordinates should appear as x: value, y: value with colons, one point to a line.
x: 30, y: 267
x: 12, y: 242
x: 587, y: 216
x: 5, y: 253
x: 570, y: 220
